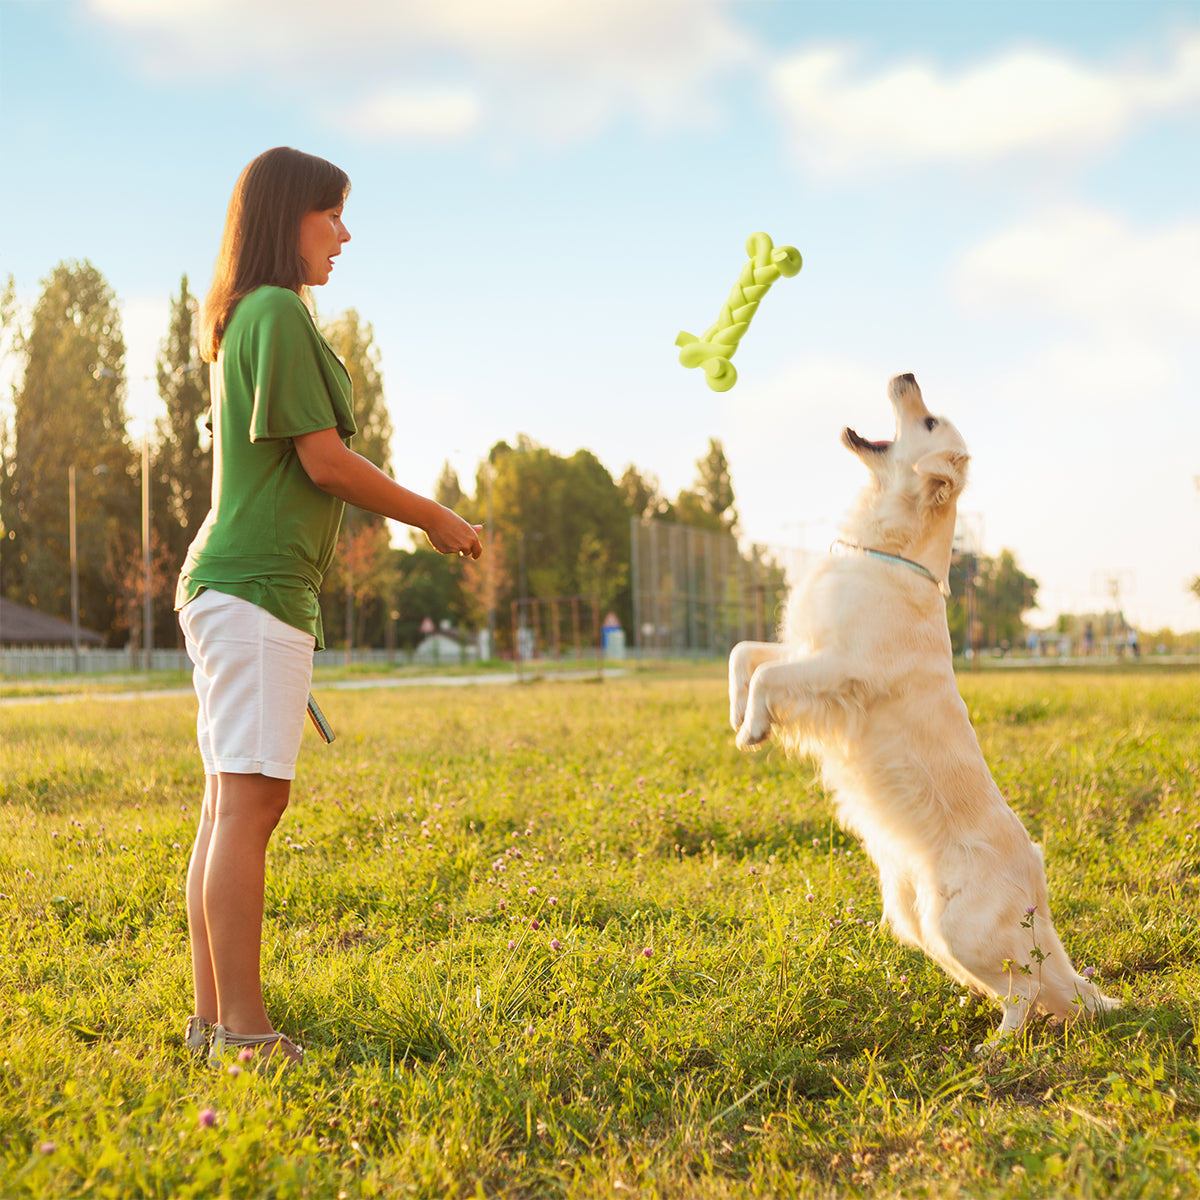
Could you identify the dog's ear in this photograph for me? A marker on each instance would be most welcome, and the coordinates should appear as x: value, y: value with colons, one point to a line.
x: 944, y: 473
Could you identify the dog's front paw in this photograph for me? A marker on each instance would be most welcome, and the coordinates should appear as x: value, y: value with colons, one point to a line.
x: 754, y: 729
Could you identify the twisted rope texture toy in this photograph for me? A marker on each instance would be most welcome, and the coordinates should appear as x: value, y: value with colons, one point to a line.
x: 714, y: 350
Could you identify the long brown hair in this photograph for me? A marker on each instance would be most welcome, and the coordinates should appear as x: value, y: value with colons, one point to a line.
x: 261, y: 243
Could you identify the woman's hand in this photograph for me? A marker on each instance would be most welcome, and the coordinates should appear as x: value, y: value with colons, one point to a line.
x: 450, y: 534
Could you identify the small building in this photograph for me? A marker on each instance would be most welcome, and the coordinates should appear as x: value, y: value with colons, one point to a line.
x: 26, y: 627
x: 444, y: 645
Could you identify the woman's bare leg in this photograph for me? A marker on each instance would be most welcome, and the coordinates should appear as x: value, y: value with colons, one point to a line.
x: 203, y: 983
x: 248, y: 807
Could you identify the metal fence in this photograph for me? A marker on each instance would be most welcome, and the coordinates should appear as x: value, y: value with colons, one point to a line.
x: 699, y: 592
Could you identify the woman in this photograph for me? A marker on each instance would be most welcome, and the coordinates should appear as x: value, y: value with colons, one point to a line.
x: 247, y: 594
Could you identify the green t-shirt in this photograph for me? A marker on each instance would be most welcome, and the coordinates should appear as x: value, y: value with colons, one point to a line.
x: 271, y: 532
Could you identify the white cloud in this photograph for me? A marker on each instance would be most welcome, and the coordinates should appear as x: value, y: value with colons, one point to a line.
x: 1118, y: 305
x: 552, y: 68
x: 405, y: 114
x: 1022, y: 101
x: 1091, y: 267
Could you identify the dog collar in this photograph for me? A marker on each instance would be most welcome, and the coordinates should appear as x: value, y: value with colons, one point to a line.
x: 907, y: 562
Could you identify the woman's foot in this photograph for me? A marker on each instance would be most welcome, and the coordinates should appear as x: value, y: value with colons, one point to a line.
x: 277, y: 1046
x: 196, y: 1034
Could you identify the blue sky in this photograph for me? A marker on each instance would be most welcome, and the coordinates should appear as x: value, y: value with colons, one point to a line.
x: 1003, y: 198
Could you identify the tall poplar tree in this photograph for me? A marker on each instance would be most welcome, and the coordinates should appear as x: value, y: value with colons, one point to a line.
x: 353, y: 340
x: 69, y: 410
x: 10, y: 340
x: 448, y: 491
x: 181, y: 470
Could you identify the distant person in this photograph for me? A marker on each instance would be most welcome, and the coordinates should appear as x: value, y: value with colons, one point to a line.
x: 1089, y: 638
x: 282, y: 415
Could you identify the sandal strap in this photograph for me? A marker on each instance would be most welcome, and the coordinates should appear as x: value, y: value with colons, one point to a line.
x: 249, y: 1039
x: 226, y: 1039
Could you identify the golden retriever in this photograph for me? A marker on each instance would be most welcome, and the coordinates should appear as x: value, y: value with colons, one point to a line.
x: 863, y: 679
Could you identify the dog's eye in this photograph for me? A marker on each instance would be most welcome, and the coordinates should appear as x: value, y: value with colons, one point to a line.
x: 931, y: 423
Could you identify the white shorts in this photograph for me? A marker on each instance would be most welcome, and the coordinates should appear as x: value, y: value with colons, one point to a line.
x: 252, y: 673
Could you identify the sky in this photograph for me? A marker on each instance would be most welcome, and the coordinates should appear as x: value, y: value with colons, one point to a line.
x: 1002, y: 198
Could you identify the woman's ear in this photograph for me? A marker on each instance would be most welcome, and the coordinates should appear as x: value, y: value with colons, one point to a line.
x: 944, y: 473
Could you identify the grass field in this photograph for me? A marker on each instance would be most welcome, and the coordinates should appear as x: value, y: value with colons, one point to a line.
x: 562, y: 940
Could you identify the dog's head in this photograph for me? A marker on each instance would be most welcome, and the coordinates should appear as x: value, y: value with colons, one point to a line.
x: 926, y: 446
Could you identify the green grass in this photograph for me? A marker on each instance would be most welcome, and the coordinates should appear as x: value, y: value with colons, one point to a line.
x: 706, y: 1007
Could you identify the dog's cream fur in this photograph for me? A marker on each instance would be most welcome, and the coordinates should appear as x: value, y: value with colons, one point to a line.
x: 863, y: 679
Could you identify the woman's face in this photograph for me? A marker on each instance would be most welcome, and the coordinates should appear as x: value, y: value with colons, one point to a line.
x: 322, y: 236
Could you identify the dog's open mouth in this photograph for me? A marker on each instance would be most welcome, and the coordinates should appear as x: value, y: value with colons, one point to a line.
x: 855, y: 442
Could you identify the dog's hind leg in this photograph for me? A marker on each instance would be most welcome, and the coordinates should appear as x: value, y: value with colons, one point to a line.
x: 1021, y: 963
x: 744, y: 659
x: 1016, y: 1013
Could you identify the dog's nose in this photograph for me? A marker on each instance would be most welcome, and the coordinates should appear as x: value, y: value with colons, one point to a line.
x: 908, y: 377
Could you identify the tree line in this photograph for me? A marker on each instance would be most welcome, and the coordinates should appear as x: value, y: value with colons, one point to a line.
x: 554, y: 525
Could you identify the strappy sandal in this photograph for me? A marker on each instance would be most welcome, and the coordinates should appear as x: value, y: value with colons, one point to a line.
x: 224, y: 1040
x: 196, y: 1034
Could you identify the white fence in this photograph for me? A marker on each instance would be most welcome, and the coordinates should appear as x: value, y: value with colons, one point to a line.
x: 62, y: 661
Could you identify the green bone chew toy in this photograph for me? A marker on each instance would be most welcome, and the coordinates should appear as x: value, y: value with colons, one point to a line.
x: 714, y: 350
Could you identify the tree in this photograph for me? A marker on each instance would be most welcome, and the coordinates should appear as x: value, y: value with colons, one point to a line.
x: 1194, y: 584
x: 1001, y: 594
x: 715, y: 485
x: 543, y: 508
x: 598, y: 571
x: 708, y: 504
x: 642, y: 494
x: 353, y: 340
x: 365, y: 571
x: 10, y: 339
x: 481, y: 583
x: 447, y: 491
x: 127, y: 570
x: 69, y: 411
x: 181, y: 468
x: 426, y: 586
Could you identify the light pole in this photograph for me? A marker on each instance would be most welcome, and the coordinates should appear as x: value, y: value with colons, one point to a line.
x: 147, y: 599
x: 147, y: 591
x: 71, y: 537
x: 74, y: 566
